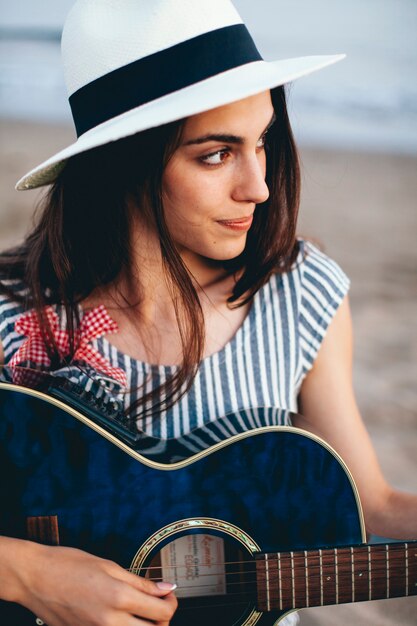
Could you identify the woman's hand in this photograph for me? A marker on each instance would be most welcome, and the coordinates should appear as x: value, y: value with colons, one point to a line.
x: 65, y: 586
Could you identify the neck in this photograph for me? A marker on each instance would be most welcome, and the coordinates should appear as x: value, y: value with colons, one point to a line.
x: 147, y: 283
x: 294, y: 580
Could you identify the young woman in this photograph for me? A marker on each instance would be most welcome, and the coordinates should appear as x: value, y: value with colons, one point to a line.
x: 166, y: 253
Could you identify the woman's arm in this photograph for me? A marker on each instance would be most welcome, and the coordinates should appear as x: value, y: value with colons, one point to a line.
x: 329, y: 409
x: 66, y: 586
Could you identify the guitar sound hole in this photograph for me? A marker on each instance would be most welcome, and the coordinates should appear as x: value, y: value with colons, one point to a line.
x: 215, y: 576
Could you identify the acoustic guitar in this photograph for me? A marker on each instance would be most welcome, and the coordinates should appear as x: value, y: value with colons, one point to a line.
x: 252, y: 520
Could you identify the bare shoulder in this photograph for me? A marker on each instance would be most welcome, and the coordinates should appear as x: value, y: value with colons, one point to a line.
x: 327, y: 389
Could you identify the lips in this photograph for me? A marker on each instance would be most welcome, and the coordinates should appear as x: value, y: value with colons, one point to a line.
x: 241, y: 223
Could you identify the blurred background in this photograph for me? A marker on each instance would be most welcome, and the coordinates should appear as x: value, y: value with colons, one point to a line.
x: 356, y: 125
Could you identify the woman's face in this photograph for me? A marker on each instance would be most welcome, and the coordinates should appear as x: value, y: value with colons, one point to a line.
x: 216, y: 177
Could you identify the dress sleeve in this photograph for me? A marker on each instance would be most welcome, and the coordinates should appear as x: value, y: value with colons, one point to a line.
x: 323, y: 288
x: 10, y: 311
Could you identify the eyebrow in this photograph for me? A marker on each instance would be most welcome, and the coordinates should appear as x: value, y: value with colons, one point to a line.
x: 224, y: 138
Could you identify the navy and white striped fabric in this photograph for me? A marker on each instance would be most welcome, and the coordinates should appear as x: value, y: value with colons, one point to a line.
x: 263, y: 365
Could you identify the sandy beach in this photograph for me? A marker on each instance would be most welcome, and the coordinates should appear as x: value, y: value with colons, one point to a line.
x: 362, y: 209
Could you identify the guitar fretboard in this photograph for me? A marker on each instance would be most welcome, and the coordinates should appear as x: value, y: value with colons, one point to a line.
x: 294, y: 580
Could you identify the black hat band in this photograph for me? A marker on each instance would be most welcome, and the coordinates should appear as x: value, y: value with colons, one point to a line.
x: 160, y: 74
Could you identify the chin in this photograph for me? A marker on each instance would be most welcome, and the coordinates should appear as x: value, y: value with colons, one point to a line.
x: 225, y: 254
x: 230, y: 257
x: 217, y: 252
x: 228, y: 248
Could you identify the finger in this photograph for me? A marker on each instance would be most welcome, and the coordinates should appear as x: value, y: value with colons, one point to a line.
x: 138, y: 602
x: 137, y: 621
x: 164, y: 587
x: 140, y: 583
x: 171, y: 599
x: 159, y: 589
x: 141, y: 622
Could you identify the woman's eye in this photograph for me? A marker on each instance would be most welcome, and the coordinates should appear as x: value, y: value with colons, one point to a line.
x: 262, y: 141
x: 215, y: 158
x: 219, y: 157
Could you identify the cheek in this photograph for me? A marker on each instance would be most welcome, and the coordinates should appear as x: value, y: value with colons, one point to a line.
x: 180, y: 206
x: 189, y: 198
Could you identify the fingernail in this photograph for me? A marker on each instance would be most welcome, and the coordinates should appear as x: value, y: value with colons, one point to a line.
x: 166, y: 586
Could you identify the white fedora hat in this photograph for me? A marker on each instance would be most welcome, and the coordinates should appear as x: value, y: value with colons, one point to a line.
x: 131, y: 65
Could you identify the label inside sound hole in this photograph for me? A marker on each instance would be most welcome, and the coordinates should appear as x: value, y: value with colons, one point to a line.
x: 196, y: 564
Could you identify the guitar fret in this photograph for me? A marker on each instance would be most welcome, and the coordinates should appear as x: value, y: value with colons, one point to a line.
x: 268, y: 603
x: 307, y: 578
x: 306, y: 569
x: 292, y: 579
x: 337, y: 575
x: 328, y: 578
x: 406, y: 569
x: 280, y: 581
x: 370, y: 573
x: 321, y: 576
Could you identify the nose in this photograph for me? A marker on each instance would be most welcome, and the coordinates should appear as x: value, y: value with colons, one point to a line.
x: 250, y: 185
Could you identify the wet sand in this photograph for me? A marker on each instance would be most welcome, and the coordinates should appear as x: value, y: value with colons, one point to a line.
x: 362, y: 208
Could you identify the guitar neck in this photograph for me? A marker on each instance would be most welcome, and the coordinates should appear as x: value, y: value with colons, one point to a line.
x: 294, y: 580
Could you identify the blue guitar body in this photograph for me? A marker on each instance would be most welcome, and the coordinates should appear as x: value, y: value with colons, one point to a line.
x: 271, y: 489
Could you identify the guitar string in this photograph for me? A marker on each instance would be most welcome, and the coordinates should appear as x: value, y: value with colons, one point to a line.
x: 286, y: 598
x: 342, y: 578
x: 298, y: 561
x: 218, y: 605
x: 243, y: 603
x: 235, y: 604
x: 275, y: 597
x: 250, y: 600
x: 392, y: 579
x: 327, y: 569
x: 284, y: 570
x: 274, y: 594
x: 252, y: 584
x: 342, y: 575
x: 300, y: 556
x: 246, y: 596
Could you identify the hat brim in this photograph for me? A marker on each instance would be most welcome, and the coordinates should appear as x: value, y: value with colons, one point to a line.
x: 230, y: 86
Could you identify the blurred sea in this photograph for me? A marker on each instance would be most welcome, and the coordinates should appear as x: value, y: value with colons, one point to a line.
x: 369, y: 101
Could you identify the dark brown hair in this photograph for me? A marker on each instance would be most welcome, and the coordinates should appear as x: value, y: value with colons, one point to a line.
x: 81, y: 239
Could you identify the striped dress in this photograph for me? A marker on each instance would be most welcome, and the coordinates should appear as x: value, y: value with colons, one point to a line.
x: 263, y: 365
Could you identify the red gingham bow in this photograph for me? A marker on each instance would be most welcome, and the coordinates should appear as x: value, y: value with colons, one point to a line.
x: 95, y: 323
